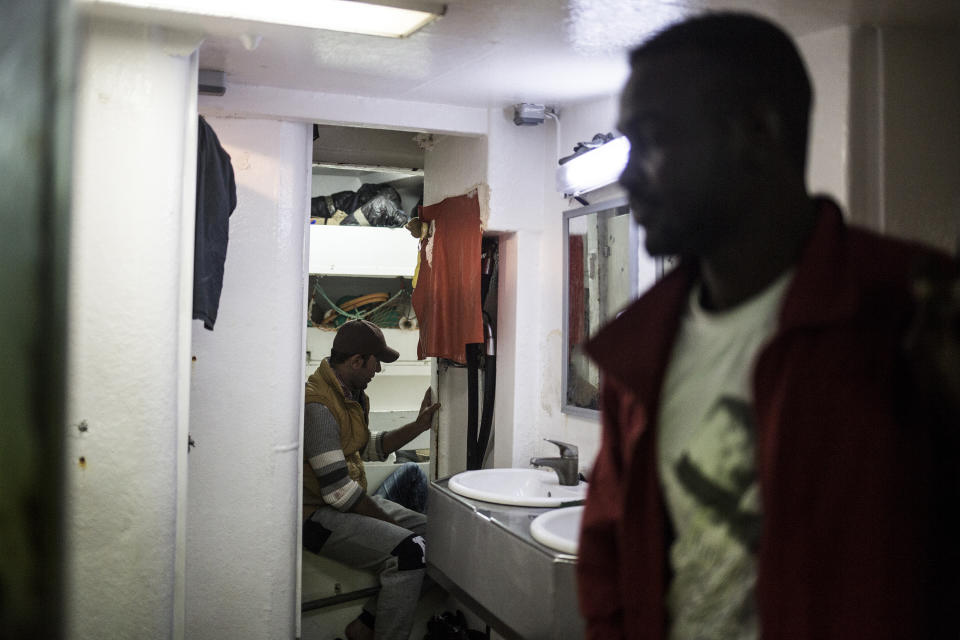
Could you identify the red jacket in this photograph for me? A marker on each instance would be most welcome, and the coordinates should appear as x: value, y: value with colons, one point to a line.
x: 852, y: 539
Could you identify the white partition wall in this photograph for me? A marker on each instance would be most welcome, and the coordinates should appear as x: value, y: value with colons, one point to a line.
x: 131, y: 249
x: 247, y: 398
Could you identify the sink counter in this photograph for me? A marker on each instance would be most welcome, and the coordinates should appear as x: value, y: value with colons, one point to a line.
x: 484, y: 555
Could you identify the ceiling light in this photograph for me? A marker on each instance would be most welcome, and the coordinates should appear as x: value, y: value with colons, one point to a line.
x: 390, y: 18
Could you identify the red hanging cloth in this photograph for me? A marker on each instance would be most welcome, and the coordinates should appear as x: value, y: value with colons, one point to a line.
x: 447, y: 297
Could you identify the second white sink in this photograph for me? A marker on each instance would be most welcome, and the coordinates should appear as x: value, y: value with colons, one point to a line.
x: 558, y: 529
x: 518, y: 487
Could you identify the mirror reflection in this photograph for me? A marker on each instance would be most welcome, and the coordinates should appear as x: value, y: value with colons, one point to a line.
x: 600, y: 263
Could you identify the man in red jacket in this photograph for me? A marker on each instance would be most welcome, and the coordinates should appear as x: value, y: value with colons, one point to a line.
x: 779, y: 412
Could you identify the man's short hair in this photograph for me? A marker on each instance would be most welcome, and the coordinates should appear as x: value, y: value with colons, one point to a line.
x: 758, y: 60
x: 338, y: 357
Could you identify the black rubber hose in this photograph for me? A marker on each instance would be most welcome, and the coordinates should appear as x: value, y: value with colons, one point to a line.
x: 473, y: 380
x: 489, y: 394
x: 489, y: 388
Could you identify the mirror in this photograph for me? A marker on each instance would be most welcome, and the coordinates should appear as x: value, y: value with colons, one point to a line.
x: 600, y: 260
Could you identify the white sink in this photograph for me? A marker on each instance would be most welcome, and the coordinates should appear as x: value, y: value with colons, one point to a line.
x: 558, y: 529
x: 518, y: 487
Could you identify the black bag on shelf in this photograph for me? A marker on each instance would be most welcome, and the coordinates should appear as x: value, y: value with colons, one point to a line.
x: 375, y: 205
x: 326, y: 206
x: 380, y: 205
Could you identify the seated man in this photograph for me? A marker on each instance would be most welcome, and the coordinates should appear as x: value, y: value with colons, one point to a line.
x: 341, y: 521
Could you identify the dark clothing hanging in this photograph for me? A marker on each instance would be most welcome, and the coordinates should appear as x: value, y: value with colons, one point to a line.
x: 216, y: 200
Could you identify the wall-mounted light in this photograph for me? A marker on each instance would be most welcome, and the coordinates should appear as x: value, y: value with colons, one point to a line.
x: 594, y: 169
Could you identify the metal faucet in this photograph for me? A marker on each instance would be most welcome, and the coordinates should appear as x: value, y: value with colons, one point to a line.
x: 566, y: 466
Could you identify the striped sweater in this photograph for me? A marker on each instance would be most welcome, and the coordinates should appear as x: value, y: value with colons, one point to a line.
x: 322, y: 448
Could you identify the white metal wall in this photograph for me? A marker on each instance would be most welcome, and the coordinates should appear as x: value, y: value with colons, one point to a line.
x: 126, y: 352
x: 247, y: 398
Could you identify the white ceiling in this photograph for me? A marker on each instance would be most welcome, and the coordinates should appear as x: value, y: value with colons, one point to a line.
x: 499, y: 52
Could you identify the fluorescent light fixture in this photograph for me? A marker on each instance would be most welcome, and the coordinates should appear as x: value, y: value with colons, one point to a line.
x: 393, y: 19
x: 594, y: 169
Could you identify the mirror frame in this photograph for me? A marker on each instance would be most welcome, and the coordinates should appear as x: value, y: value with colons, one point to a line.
x: 633, y: 251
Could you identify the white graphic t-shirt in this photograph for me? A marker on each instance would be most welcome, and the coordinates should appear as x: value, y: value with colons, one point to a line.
x: 707, y: 470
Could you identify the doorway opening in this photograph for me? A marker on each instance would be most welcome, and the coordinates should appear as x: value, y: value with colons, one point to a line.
x: 366, y: 184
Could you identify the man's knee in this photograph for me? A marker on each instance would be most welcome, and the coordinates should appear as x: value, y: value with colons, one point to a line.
x: 411, y: 553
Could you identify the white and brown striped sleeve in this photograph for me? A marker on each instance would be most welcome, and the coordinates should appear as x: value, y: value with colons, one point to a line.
x: 322, y: 449
x: 373, y: 452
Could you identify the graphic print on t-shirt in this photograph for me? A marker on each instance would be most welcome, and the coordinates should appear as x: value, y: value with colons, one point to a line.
x: 723, y: 496
x: 715, y: 503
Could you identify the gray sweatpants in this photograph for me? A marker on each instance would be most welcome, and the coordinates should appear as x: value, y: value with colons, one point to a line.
x: 396, y: 553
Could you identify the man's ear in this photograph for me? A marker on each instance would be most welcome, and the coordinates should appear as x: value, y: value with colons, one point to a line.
x: 769, y: 123
x: 764, y: 126
x: 759, y: 130
x: 355, y: 361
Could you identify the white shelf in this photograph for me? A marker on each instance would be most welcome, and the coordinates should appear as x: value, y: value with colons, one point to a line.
x: 362, y: 251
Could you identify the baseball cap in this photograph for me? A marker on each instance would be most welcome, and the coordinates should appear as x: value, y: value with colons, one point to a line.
x: 364, y: 338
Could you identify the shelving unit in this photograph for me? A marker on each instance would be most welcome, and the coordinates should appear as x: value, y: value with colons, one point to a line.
x: 357, y: 260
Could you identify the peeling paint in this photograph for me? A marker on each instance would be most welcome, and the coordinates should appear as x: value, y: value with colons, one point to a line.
x: 176, y: 42
x: 428, y: 249
x: 482, y: 190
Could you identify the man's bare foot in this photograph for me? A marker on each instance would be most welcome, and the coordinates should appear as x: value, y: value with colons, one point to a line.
x: 357, y: 630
